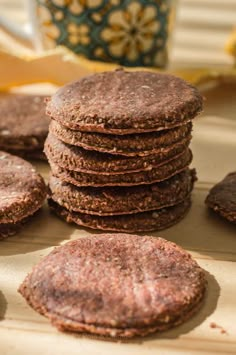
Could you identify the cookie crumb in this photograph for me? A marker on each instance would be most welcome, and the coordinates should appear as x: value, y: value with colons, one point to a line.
x: 213, y: 325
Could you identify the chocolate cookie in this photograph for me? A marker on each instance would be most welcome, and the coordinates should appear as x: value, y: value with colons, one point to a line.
x: 9, y: 229
x: 116, y: 285
x: 23, y: 123
x: 105, y: 201
x: 22, y: 190
x: 6, y: 230
x: 78, y: 159
x: 137, y: 222
x: 122, y: 102
x: 128, y: 145
x: 37, y: 154
x: 222, y: 198
x: 160, y: 173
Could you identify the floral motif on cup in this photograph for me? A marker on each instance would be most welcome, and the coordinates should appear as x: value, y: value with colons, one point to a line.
x: 77, y: 6
x: 78, y: 34
x: 131, y: 32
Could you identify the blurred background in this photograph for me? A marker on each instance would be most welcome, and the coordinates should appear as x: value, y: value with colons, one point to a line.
x: 200, y: 33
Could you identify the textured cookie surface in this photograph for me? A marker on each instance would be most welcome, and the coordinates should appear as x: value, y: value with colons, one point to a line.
x: 116, y: 285
x: 160, y: 173
x: 222, y: 198
x: 123, y: 102
x: 137, y: 222
x: 105, y: 201
x: 128, y: 145
x: 23, y: 122
x: 22, y: 189
x: 79, y: 159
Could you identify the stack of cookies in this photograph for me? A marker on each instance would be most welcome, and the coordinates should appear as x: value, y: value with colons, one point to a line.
x: 118, y: 146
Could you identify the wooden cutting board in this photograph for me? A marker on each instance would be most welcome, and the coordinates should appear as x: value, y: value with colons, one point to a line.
x: 210, y: 240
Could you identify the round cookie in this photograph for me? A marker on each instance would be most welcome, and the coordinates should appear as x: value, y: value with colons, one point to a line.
x: 137, y: 222
x: 160, y: 173
x: 122, y: 102
x: 23, y: 123
x: 116, y: 285
x: 79, y: 159
x: 22, y: 190
x: 128, y: 145
x: 222, y: 198
x: 105, y: 201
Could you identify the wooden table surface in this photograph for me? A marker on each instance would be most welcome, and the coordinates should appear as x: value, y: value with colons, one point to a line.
x: 210, y: 240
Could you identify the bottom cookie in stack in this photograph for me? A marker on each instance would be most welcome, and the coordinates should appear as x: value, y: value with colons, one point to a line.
x: 137, y: 208
x: 138, y: 222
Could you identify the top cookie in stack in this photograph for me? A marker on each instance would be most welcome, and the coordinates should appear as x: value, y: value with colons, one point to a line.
x: 118, y: 147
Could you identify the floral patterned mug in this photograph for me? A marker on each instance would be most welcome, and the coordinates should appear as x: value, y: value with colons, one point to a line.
x: 128, y: 32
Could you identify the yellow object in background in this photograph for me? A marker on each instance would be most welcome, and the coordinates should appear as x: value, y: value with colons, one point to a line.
x: 59, y: 66
x: 230, y: 46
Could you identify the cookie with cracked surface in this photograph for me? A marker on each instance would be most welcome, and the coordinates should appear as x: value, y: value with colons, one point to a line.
x: 137, y: 222
x: 160, y: 173
x: 122, y: 102
x: 105, y: 201
x: 222, y: 198
x: 23, y: 123
x: 22, y: 190
x: 128, y: 145
x: 79, y: 159
x: 116, y: 285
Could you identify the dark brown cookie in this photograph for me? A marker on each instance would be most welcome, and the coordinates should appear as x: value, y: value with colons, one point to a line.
x: 222, y: 198
x: 160, y: 173
x: 10, y: 229
x: 116, y: 285
x: 123, y: 102
x: 79, y: 159
x: 137, y: 222
x: 23, y: 123
x: 105, y: 201
x: 128, y: 145
x: 22, y: 189
x: 37, y: 154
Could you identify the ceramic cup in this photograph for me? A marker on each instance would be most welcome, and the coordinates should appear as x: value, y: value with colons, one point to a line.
x: 128, y: 32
